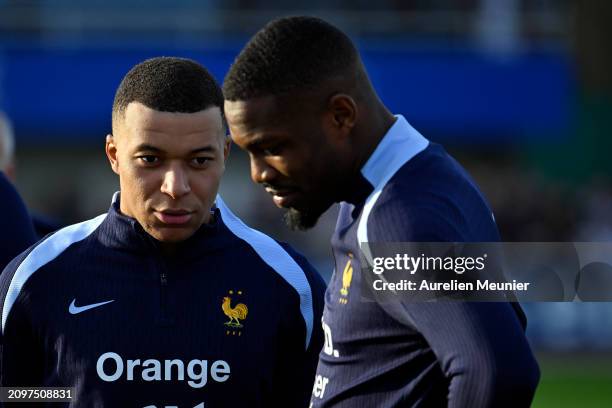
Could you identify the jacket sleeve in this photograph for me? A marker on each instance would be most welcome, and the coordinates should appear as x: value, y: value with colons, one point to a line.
x: 481, y: 347
x: 21, y: 359
x: 298, y: 362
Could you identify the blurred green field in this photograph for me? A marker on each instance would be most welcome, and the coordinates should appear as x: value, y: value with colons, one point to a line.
x: 575, y: 381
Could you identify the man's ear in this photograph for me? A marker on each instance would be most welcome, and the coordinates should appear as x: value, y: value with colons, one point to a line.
x: 343, y: 112
x: 111, y: 153
x: 227, y: 145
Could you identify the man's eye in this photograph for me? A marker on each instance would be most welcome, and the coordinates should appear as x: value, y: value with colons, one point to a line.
x: 148, y: 159
x: 273, y: 151
x: 201, y: 161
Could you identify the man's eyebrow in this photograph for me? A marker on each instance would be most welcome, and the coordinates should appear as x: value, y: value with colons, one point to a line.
x: 204, y: 149
x: 259, y: 140
x: 150, y: 148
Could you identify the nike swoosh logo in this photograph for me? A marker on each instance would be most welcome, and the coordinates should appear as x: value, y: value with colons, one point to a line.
x: 74, y: 309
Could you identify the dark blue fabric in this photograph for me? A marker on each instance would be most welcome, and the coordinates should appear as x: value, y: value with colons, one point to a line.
x: 407, y: 354
x: 16, y: 225
x: 164, y: 308
x: 44, y: 225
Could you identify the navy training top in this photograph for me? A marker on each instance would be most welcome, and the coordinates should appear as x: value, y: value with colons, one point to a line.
x: 230, y: 320
x: 409, y: 354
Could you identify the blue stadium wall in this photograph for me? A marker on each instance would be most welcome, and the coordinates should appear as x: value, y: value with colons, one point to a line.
x: 56, y: 91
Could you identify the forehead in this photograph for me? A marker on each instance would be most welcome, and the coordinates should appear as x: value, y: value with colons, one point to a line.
x: 257, y: 113
x: 143, y: 123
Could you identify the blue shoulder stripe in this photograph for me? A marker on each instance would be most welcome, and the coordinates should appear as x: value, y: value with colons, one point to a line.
x: 274, y: 255
x: 45, y: 252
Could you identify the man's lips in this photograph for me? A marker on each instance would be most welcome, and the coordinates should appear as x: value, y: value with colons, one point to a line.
x: 173, y: 216
x: 283, y: 197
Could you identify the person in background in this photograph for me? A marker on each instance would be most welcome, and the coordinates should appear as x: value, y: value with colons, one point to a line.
x: 7, y: 147
x: 42, y: 225
x: 16, y: 225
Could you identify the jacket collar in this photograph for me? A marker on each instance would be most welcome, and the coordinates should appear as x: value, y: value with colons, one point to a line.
x: 398, y: 146
x: 125, y: 233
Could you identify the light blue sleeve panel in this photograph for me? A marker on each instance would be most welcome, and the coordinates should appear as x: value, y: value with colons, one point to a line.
x: 272, y: 253
x: 45, y: 252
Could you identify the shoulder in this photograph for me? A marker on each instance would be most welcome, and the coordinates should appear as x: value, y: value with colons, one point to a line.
x: 392, y: 221
x: 314, y: 278
x: 406, y: 211
x: 18, y: 230
x: 431, y: 198
x: 15, y: 277
x: 288, y: 264
x: 281, y: 257
x: 19, y: 222
x: 11, y: 198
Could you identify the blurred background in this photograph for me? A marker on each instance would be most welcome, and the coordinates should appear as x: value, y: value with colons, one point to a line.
x: 520, y: 91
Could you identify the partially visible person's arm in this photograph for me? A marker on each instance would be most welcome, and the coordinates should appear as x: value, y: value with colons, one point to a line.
x: 16, y: 225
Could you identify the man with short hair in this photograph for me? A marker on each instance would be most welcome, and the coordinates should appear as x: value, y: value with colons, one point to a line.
x: 299, y: 101
x: 169, y: 299
x: 17, y: 228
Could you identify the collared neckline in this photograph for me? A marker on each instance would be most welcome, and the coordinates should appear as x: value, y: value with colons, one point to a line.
x: 399, y: 145
x: 126, y: 233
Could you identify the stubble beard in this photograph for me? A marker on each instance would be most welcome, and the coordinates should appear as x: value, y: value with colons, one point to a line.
x: 297, y: 220
x: 304, y: 219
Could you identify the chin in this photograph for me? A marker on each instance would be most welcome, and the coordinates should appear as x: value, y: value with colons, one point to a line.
x: 300, y: 221
x: 172, y: 236
x: 304, y: 218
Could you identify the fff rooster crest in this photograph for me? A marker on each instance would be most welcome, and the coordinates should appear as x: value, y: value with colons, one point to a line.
x: 236, y: 314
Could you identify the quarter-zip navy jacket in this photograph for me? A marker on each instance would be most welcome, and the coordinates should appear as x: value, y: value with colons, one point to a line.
x: 231, y: 320
x: 409, y: 354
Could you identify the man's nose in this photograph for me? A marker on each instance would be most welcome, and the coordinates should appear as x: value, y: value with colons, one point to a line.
x: 261, y: 172
x: 176, y: 182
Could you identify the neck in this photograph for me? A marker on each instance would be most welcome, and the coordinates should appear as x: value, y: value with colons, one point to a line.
x: 368, y: 135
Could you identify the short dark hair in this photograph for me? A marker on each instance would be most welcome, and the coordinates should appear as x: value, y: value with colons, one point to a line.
x: 287, y: 54
x: 168, y: 84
